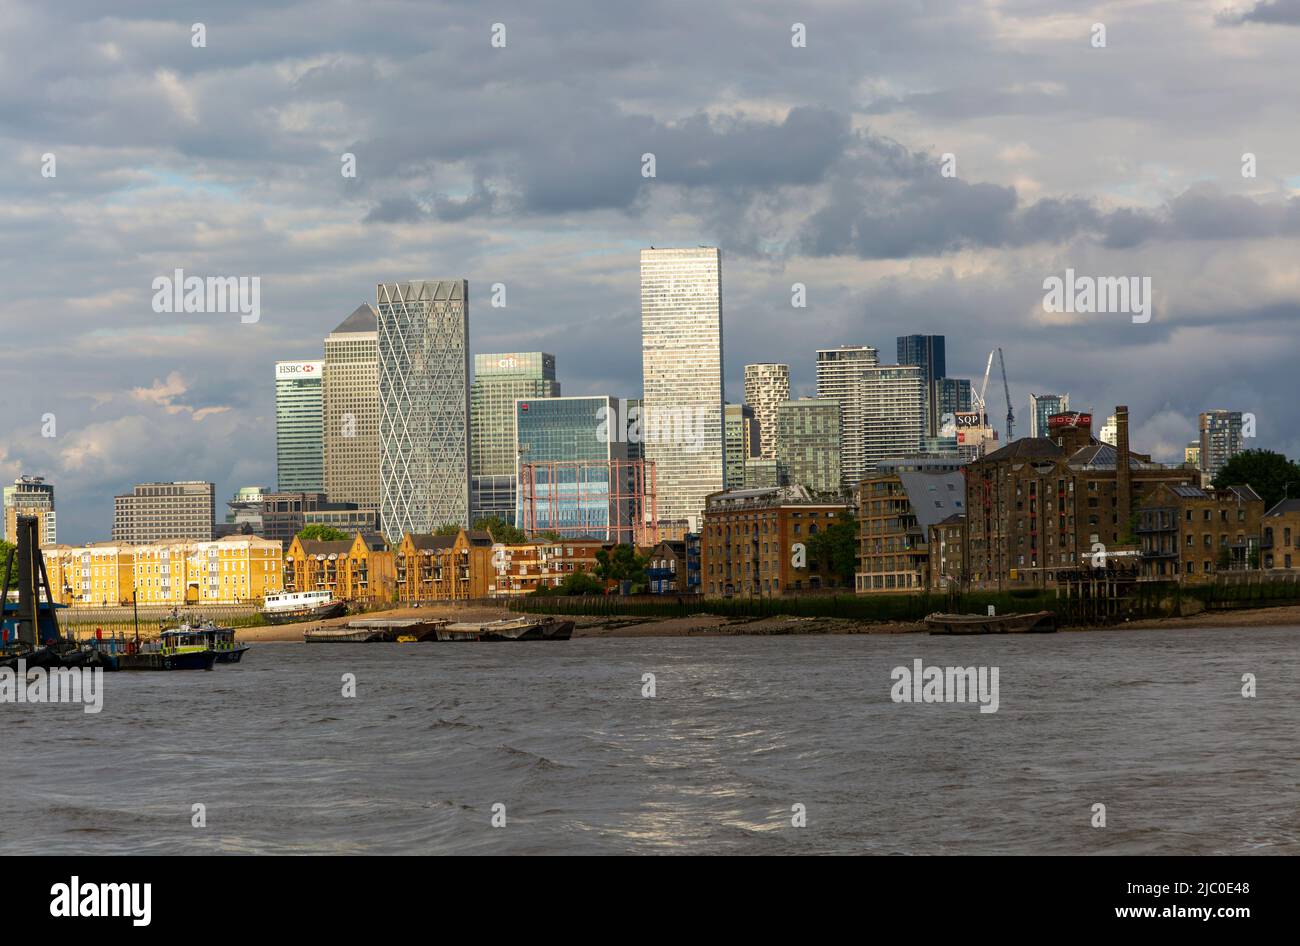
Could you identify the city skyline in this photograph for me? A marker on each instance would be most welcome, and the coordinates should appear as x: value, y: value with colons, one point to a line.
x: 817, y: 166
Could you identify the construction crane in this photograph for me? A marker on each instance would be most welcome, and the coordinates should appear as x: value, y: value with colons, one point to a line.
x: 1011, y: 415
x: 984, y: 388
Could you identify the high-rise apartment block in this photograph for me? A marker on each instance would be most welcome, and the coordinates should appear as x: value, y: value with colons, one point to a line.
x: 840, y: 373
x: 423, y: 405
x: 808, y: 438
x: 350, y: 400
x: 766, y: 387
x: 1221, y: 440
x: 30, y: 496
x: 1043, y: 406
x: 154, y: 512
x: 741, y: 439
x: 681, y: 360
x: 927, y: 353
x: 893, y: 413
x: 299, y: 432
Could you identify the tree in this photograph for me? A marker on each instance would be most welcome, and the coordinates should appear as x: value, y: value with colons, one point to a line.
x: 501, y: 531
x: 321, y: 533
x: 550, y: 535
x: 1264, y: 471
x: 574, y: 583
x: 5, y: 549
x: 837, y: 546
x: 447, y: 528
x: 622, y: 564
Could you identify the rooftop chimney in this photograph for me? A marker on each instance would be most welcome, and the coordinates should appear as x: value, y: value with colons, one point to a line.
x: 1123, y: 477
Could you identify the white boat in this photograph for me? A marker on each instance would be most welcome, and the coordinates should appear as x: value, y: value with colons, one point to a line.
x: 291, y: 606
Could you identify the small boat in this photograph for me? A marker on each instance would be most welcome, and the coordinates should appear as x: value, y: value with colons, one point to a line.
x: 293, y: 606
x: 178, y: 649
x: 219, y: 639
x: 508, y: 629
x: 1039, y: 622
x: 407, y: 639
x: 345, y: 635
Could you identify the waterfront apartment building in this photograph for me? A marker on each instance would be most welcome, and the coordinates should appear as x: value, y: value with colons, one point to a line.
x: 896, y: 513
x: 1043, y: 505
x: 431, y: 567
x: 755, y: 542
x: 809, y: 438
x: 350, y: 405
x: 741, y: 442
x: 767, y: 386
x: 1188, y: 533
x: 1280, y: 536
x: 30, y: 496
x: 360, y: 569
x: 231, y: 570
x: 1221, y: 440
x: 299, y: 428
x: 423, y: 405
x: 1043, y: 406
x: 499, y: 380
x: 154, y: 512
x: 893, y: 414
x: 840, y: 374
x: 947, y: 543
x: 543, y: 563
x: 681, y: 363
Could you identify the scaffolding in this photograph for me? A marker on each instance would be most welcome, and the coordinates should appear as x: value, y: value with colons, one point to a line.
x: 612, y: 500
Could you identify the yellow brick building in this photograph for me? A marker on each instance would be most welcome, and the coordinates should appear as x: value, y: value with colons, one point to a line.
x: 356, y: 569
x: 444, y: 567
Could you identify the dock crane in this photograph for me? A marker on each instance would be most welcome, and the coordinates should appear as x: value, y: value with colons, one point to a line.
x: 1011, y: 415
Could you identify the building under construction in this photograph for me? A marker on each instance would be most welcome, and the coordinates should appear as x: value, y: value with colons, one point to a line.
x: 612, y: 500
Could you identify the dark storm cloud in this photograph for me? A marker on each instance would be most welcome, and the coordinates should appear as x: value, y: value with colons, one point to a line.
x: 1286, y: 12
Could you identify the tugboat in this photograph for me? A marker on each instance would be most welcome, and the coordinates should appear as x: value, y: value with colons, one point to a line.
x: 177, y: 649
x: 219, y: 639
x: 293, y: 606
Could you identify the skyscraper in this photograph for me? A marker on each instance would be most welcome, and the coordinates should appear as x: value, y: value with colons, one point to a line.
x: 839, y: 378
x: 1221, y: 440
x: 681, y: 362
x: 1043, y: 406
x: 893, y: 413
x: 350, y: 398
x: 954, y: 396
x: 808, y: 439
x: 767, y: 386
x: 499, y: 379
x: 740, y: 437
x: 299, y: 430
x: 423, y: 405
x: 926, y: 351
x: 30, y: 496
x: 152, y: 512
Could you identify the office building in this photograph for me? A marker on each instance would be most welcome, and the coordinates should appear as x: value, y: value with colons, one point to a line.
x: 808, y: 438
x: 681, y: 360
x: 840, y: 373
x: 154, y: 512
x: 350, y: 400
x: 954, y: 396
x: 299, y: 427
x: 1043, y: 406
x: 423, y: 405
x: 499, y: 380
x: 30, y: 496
x: 766, y: 387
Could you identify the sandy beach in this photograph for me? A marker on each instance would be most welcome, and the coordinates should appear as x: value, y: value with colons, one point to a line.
x: 708, y: 625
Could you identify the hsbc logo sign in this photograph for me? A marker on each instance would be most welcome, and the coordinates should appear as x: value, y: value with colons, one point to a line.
x: 298, y: 369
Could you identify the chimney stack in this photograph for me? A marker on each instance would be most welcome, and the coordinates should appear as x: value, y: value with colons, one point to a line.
x: 1123, y: 476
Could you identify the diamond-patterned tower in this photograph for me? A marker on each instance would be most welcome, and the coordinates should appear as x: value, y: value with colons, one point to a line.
x: 423, y: 405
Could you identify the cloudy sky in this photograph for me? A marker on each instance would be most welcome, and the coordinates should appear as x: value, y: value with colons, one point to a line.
x: 522, y: 165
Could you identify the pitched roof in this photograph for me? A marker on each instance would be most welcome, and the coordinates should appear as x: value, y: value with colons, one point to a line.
x: 1027, y: 448
x: 428, y: 541
x: 364, y: 318
x: 1284, y: 506
x: 934, y: 496
x: 479, y: 537
x: 319, y: 547
x: 374, y: 541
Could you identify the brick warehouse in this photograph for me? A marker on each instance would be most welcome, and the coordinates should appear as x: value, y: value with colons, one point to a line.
x: 1045, y: 504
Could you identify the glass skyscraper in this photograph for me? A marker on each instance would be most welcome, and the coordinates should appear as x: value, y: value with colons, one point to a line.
x: 808, y: 438
x: 927, y: 352
x: 568, y: 482
x: 423, y: 405
x: 500, y: 379
x: 740, y: 436
x: 1043, y: 406
x: 299, y: 427
x: 681, y: 366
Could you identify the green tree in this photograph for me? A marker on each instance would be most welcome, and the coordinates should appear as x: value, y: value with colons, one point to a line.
x: 320, y: 533
x: 621, y: 564
x: 1264, y: 471
x: 5, y: 549
x: 501, y: 531
x: 447, y: 528
x: 550, y: 535
x: 580, y: 583
x: 837, y: 546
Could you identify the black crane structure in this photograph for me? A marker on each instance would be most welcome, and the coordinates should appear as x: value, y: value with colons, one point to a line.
x: 1011, y: 415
